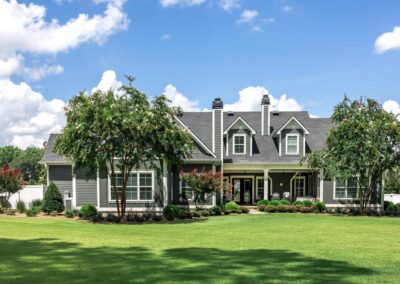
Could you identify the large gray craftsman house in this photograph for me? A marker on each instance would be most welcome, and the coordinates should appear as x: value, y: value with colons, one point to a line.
x: 258, y: 152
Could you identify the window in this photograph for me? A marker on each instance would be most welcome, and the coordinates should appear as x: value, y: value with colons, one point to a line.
x: 260, y: 188
x: 292, y: 144
x: 239, y: 144
x: 346, y: 189
x: 186, y: 191
x: 139, y: 186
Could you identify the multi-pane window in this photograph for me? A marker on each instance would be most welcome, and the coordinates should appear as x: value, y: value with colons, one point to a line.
x: 139, y: 186
x: 239, y: 144
x: 346, y: 189
x: 260, y: 188
x: 292, y: 144
x: 186, y: 191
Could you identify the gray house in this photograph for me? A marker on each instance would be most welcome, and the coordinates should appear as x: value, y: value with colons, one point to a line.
x: 258, y: 153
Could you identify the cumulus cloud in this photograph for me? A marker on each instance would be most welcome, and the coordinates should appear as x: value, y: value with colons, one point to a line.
x: 393, y: 107
x: 167, y: 3
x: 27, y: 117
x: 40, y: 72
x: 24, y: 29
x: 108, y: 81
x: 247, y: 16
x: 229, y: 5
x: 179, y: 100
x: 250, y: 100
x: 388, y: 41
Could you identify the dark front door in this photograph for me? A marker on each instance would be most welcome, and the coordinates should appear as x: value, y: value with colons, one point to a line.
x: 242, y: 190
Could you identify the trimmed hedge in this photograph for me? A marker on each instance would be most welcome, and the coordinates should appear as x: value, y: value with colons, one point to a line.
x: 87, y: 211
x: 171, y: 211
x: 232, y: 207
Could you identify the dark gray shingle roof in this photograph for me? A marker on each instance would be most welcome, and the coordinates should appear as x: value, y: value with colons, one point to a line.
x: 49, y: 155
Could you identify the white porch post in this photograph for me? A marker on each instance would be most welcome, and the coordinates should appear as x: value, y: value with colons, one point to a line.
x: 165, y: 182
x: 214, y: 198
x: 266, y: 181
x: 321, y: 185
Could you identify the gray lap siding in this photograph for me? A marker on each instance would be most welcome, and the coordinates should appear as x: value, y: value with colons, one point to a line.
x: 62, y: 177
x: 86, y: 189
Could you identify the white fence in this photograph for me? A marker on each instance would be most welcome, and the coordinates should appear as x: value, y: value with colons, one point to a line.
x: 395, y: 198
x: 27, y: 194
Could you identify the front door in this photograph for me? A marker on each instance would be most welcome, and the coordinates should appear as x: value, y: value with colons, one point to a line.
x: 300, y: 186
x: 242, y: 190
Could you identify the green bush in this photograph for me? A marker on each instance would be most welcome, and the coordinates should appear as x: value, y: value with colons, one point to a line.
x: 320, y: 206
x: 87, y: 211
x: 2, y: 210
x: 305, y: 209
x: 307, y: 203
x: 11, y: 211
x: 156, y: 218
x: 285, y: 202
x: 270, y: 208
x: 297, y: 203
x: 262, y: 207
x: 244, y: 210
x: 282, y: 208
x: 97, y: 218
x: 31, y: 212
x: 171, y: 211
x: 53, y: 213
x: 393, y: 209
x: 76, y: 212
x: 274, y: 202
x: 217, y: 210
x: 262, y: 202
x: 232, y: 206
x: 291, y: 209
x: 21, y: 206
x: 196, y: 214
x: 111, y: 218
x: 36, y: 203
x: 204, y: 213
x: 53, y: 200
x: 69, y: 213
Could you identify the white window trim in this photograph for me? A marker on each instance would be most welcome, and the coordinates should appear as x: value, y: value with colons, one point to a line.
x: 234, y: 143
x: 346, y: 198
x: 134, y: 200
x: 298, y: 143
x: 304, y: 183
x: 180, y: 191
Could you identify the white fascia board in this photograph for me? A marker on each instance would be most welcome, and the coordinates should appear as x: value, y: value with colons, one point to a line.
x: 298, y: 122
x: 245, y: 123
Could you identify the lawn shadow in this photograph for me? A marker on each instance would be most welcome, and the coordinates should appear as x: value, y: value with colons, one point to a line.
x: 52, y: 261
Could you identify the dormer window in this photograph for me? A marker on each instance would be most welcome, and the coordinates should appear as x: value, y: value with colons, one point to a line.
x: 239, y: 144
x: 292, y: 144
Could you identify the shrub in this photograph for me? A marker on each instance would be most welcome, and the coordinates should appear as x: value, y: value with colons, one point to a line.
x: 244, y: 210
x: 171, y: 211
x: 393, y: 209
x: 53, y: 213
x: 36, y: 203
x: 217, y: 210
x: 262, y: 202
x: 386, y: 204
x: 307, y: 203
x: 274, y: 202
x: 204, y: 213
x: 76, y: 212
x: 2, y: 210
x: 320, y: 206
x: 69, y: 213
x: 96, y: 218
x: 231, y: 206
x: 227, y: 212
x: 291, y: 208
x: 31, y: 212
x: 21, y: 206
x: 281, y: 208
x: 156, y: 218
x: 297, y: 203
x: 111, y: 218
x: 285, y: 202
x: 196, y: 214
x: 262, y: 207
x: 270, y: 208
x: 87, y: 211
x: 11, y: 211
x: 305, y: 209
x: 138, y: 218
x: 53, y: 200
x: 147, y: 216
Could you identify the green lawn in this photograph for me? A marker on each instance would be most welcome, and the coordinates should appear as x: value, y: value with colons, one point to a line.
x: 231, y: 249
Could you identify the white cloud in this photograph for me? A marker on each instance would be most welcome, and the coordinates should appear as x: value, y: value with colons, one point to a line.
x: 393, y: 107
x: 166, y: 37
x: 288, y: 8
x: 40, y: 72
x: 27, y: 117
x: 108, y: 81
x: 388, y: 41
x: 178, y: 99
x: 24, y: 29
x: 250, y: 100
x: 168, y: 3
x: 247, y: 16
x: 229, y: 5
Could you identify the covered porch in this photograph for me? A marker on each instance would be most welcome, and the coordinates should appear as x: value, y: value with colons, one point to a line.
x: 252, y: 185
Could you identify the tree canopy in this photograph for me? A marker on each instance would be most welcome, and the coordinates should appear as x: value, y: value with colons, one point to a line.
x: 363, y: 143
x: 122, y: 132
x: 11, y: 182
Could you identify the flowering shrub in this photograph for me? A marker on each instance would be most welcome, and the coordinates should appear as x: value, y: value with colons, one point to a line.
x: 11, y: 181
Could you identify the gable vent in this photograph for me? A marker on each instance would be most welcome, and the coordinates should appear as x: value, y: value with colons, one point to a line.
x: 275, y: 113
x: 230, y: 113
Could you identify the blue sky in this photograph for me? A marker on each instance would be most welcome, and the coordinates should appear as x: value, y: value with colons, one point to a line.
x: 312, y: 51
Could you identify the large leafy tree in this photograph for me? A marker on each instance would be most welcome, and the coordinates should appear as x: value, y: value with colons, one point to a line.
x: 363, y: 143
x: 122, y: 132
x: 28, y: 162
x: 11, y: 182
x: 8, y: 154
x: 392, y: 181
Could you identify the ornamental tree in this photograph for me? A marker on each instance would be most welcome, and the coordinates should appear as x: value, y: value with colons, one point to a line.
x: 122, y: 132
x: 363, y: 143
x: 52, y: 200
x: 204, y: 184
x: 11, y: 182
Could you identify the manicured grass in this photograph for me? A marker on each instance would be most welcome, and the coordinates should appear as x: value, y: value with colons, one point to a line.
x: 230, y: 249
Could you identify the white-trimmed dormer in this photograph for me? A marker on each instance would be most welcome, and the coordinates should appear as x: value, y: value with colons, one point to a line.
x: 239, y: 138
x: 292, y: 138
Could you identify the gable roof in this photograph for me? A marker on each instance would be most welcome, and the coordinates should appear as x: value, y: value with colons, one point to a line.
x: 49, y: 155
x: 290, y: 120
x: 244, y: 122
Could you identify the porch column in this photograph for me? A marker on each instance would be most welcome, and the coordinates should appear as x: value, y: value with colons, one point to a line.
x: 321, y: 185
x: 266, y: 181
x: 214, y: 197
x: 165, y: 181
